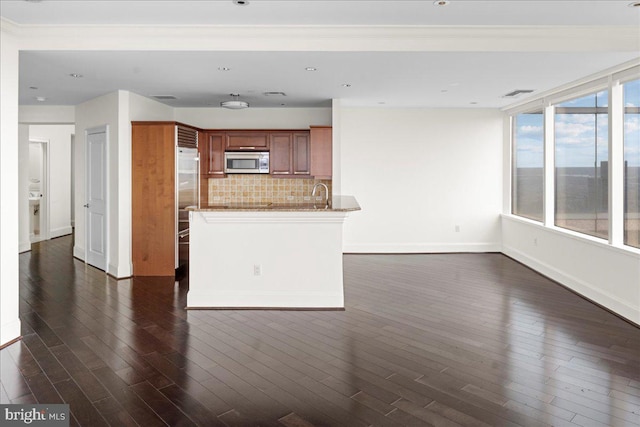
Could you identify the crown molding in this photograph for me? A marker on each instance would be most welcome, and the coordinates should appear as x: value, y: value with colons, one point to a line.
x: 328, y: 38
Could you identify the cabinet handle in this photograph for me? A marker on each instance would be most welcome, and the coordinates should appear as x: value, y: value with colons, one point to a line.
x: 301, y: 173
x: 280, y: 173
x: 216, y: 173
x: 247, y: 148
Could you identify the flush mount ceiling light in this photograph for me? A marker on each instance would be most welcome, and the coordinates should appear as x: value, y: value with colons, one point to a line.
x: 235, y: 103
x: 311, y: 69
x: 224, y: 69
x: 76, y: 75
x: 441, y: 3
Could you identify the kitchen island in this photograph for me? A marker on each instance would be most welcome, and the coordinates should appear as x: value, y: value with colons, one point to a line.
x: 268, y: 255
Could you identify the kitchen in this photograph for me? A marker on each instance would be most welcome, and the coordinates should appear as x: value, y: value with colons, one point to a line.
x: 227, y: 239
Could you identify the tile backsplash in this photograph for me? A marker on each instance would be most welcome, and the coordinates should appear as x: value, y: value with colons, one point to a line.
x: 262, y: 189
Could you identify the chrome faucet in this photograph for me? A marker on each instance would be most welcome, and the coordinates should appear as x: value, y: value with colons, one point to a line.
x: 326, y: 191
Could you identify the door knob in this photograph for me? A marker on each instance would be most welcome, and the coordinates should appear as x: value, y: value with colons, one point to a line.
x: 87, y: 205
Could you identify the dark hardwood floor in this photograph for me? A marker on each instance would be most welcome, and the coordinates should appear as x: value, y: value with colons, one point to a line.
x: 452, y: 339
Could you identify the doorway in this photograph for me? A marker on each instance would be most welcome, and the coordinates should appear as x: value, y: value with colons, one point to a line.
x: 38, y: 190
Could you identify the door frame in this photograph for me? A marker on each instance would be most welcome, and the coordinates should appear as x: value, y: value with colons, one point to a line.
x: 45, y: 188
x: 91, y: 131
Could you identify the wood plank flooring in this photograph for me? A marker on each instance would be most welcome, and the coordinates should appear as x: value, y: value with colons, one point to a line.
x: 442, y: 340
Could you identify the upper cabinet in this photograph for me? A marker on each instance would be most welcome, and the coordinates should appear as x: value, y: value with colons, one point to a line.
x: 212, y: 154
x: 247, y: 140
x: 300, y: 153
x: 289, y: 154
x: 280, y: 154
x: 320, y: 149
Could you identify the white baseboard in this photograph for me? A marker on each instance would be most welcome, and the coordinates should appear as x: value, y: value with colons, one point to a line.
x: 614, y: 304
x: 24, y: 247
x: 421, y: 247
x: 79, y: 252
x: 9, y: 332
x: 61, y: 231
x: 119, y: 273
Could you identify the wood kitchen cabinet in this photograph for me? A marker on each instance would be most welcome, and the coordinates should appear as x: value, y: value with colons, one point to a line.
x: 280, y: 154
x: 247, y: 140
x: 321, y: 152
x: 153, y: 195
x: 301, y: 154
x: 212, y: 154
x: 211, y: 149
x: 289, y: 154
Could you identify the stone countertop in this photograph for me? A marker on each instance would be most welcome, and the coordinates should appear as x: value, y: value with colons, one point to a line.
x: 338, y: 204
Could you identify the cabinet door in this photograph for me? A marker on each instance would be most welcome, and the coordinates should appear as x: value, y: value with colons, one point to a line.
x: 212, y: 155
x: 247, y: 140
x: 321, y: 157
x: 280, y: 153
x: 301, y: 154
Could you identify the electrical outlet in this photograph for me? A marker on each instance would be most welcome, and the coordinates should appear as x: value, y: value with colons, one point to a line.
x: 535, y: 241
x: 257, y: 270
x: 457, y: 228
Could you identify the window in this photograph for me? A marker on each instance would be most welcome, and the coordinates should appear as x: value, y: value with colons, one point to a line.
x: 632, y: 163
x: 581, y: 165
x: 528, y: 167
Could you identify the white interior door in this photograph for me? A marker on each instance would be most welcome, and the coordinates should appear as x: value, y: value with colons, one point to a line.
x: 96, y: 206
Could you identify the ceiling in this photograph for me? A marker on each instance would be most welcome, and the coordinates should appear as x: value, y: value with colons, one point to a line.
x: 437, y: 78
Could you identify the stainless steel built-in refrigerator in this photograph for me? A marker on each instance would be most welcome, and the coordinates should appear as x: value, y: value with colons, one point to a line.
x: 188, y: 195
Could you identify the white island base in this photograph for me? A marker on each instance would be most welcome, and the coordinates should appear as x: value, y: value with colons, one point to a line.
x: 266, y: 259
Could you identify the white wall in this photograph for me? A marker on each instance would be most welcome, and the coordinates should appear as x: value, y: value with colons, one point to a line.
x: 47, y: 114
x: 59, y: 137
x: 9, y: 218
x: 254, y: 118
x: 607, y: 275
x: 23, y: 188
x: 419, y: 173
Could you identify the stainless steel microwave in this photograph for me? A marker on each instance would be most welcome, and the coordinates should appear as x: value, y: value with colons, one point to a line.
x: 246, y: 162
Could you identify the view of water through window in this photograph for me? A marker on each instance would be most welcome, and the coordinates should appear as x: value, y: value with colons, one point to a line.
x: 528, y: 177
x: 582, y: 166
x: 632, y: 163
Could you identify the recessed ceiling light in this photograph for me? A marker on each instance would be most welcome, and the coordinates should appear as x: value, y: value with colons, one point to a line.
x: 241, y: 2
x: 33, y: 87
x: 473, y: 103
x: 75, y: 75
x: 634, y: 4
x: 311, y: 69
x: 40, y: 98
x: 224, y: 69
x: 441, y: 3
x: 346, y: 85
